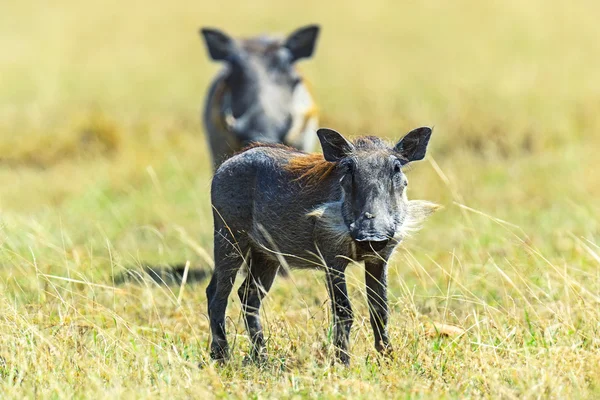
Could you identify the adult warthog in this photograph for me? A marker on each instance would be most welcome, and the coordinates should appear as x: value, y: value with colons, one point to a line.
x: 276, y: 206
x: 259, y: 96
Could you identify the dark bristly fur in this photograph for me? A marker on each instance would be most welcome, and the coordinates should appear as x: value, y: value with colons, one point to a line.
x: 261, y: 144
x: 274, y: 207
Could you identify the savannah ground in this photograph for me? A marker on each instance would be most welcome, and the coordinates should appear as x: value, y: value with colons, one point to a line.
x: 104, y: 167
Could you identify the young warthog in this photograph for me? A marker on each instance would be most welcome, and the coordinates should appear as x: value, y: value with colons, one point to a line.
x: 259, y: 96
x: 273, y: 206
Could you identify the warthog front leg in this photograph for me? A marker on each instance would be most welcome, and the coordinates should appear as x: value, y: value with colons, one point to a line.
x: 342, y: 310
x: 260, y: 278
x: 376, y: 280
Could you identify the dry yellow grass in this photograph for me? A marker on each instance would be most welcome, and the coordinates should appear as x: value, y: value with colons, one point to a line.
x: 103, y: 167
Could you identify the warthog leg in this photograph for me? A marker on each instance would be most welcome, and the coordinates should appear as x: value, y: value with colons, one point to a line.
x: 342, y: 310
x: 261, y: 274
x: 376, y: 280
x: 229, y: 257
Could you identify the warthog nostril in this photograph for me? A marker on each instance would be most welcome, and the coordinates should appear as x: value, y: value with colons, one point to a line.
x: 368, y: 215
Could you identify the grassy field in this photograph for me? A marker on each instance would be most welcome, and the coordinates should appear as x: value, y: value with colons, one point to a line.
x: 104, y: 167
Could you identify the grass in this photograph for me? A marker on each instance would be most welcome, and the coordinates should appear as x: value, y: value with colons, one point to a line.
x: 104, y: 167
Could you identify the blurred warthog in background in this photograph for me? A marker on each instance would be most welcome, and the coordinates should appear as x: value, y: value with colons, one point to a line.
x: 259, y: 96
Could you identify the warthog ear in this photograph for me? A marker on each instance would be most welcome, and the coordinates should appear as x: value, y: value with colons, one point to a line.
x: 301, y: 43
x: 413, y: 146
x: 335, y: 146
x: 219, y: 45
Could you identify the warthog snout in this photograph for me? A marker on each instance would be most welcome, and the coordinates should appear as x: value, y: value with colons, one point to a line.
x: 368, y: 244
x: 371, y: 231
x: 256, y: 123
x: 265, y: 132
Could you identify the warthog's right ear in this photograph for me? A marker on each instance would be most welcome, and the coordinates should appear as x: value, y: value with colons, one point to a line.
x: 302, y: 42
x: 335, y: 146
x: 220, y: 46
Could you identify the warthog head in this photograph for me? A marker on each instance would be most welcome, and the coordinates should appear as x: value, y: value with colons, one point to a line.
x: 374, y: 205
x: 261, y: 79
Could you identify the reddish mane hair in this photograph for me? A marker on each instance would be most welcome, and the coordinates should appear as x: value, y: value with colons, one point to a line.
x: 311, y: 168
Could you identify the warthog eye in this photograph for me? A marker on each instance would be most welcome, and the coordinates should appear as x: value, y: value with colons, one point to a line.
x: 350, y: 168
x: 282, y: 60
x: 347, y: 167
x: 397, y: 166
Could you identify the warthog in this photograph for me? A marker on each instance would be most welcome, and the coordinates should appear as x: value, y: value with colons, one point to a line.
x: 259, y: 96
x: 276, y: 206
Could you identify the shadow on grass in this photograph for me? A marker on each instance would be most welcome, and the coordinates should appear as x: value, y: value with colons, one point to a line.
x: 163, y: 274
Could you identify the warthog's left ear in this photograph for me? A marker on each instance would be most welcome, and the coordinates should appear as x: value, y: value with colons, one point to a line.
x: 220, y: 46
x: 302, y: 42
x: 335, y: 146
x: 413, y: 146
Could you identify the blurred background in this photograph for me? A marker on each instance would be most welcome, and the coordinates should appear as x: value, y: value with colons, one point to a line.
x: 104, y: 163
x: 100, y: 101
